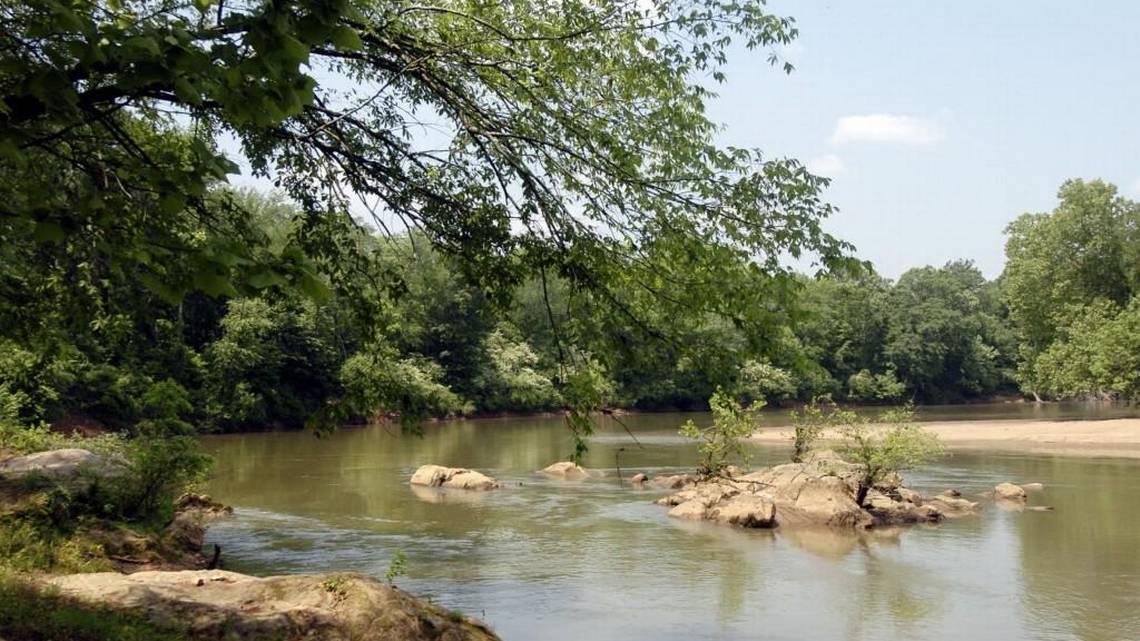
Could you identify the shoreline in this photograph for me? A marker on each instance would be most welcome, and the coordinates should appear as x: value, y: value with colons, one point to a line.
x: 1115, y: 438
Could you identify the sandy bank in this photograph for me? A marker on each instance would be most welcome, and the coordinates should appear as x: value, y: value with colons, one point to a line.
x: 1114, y: 437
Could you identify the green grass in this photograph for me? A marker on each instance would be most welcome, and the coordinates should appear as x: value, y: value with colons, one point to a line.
x: 27, y: 547
x: 31, y: 614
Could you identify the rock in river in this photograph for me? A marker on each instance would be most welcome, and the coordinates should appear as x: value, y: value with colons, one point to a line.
x: 565, y: 470
x: 819, y: 491
x: 1009, y: 492
x: 453, y: 477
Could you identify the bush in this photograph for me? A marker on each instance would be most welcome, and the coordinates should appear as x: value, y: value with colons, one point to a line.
x: 159, y: 468
x: 874, y: 388
x: 896, y: 444
x: 723, y: 440
x: 759, y: 381
x: 375, y: 382
x: 809, y: 423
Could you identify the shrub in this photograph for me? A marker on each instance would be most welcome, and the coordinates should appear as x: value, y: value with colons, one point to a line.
x: 810, y: 422
x: 897, y: 443
x: 873, y: 388
x: 760, y: 381
x: 723, y: 440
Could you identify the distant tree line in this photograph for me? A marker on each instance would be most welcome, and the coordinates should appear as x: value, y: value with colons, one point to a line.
x: 97, y: 344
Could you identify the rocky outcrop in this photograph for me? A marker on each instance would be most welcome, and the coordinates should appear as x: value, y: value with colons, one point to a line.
x: 639, y: 478
x: 818, y: 492
x: 226, y: 605
x: 566, y: 470
x: 453, y: 477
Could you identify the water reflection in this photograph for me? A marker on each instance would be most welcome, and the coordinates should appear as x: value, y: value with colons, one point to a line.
x: 550, y: 559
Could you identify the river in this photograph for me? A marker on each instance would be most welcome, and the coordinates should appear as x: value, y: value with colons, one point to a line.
x: 547, y: 559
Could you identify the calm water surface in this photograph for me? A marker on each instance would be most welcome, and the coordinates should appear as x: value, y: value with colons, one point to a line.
x: 596, y: 560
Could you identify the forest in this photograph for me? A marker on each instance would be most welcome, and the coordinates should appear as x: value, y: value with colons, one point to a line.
x: 577, y: 248
x: 90, y: 340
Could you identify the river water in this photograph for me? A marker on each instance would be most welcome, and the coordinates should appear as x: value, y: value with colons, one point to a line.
x: 596, y: 560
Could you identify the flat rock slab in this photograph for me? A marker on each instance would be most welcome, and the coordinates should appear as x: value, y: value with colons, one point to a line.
x: 53, y: 463
x: 453, y: 477
x: 211, y: 604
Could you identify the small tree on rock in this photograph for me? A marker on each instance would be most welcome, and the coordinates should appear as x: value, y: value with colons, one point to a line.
x: 723, y: 440
x: 895, y: 444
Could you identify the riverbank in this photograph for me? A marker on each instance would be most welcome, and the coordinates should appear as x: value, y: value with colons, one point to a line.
x: 1108, y: 438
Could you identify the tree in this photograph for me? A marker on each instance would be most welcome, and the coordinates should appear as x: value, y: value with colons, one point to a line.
x: 1086, y: 252
x: 945, y: 335
x: 844, y: 326
x: 1096, y: 354
x: 570, y: 141
x: 895, y: 445
x: 722, y: 442
x: 863, y: 386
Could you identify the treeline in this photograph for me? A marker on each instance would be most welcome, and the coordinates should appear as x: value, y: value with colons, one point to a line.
x: 95, y: 343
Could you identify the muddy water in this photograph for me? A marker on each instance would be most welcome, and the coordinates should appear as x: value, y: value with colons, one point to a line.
x: 544, y: 559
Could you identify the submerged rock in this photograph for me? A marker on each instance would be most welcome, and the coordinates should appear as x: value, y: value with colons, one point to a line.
x: 566, y: 470
x: 952, y: 504
x: 453, y: 477
x: 226, y: 605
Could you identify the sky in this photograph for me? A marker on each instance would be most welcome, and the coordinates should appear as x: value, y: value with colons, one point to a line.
x: 940, y: 122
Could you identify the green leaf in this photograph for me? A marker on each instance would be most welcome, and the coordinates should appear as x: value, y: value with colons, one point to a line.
x: 266, y: 278
x: 186, y: 91
x: 313, y: 287
x: 172, y: 203
x: 48, y: 231
x: 346, y: 39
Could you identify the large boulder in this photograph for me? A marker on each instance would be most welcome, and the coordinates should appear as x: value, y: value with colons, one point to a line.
x: 745, y: 510
x: 453, y: 477
x: 226, y: 605
x: 565, y: 470
x: 819, y: 500
x: 61, y: 466
x: 692, y: 509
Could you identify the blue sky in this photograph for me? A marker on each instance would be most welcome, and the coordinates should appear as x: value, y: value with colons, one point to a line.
x: 941, y: 122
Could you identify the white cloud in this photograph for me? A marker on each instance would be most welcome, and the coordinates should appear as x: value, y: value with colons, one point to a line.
x: 828, y: 165
x: 914, y: 130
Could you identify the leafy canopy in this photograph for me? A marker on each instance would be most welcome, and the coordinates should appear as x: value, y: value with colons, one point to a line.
x: 526, y: 140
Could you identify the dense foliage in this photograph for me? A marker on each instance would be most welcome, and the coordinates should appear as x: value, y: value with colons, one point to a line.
x: 441, y: 156
x: 1071, y: 283
x: 483, y: 207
